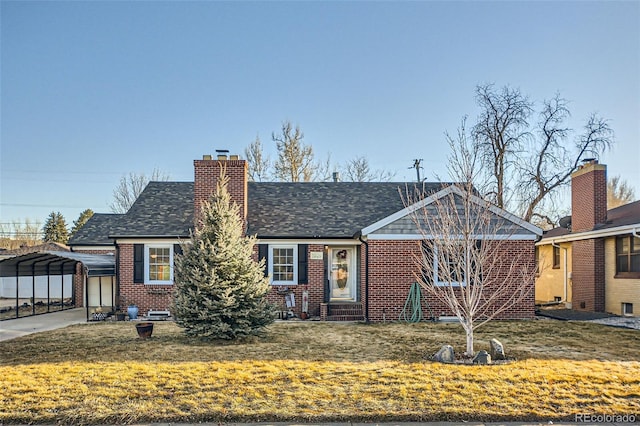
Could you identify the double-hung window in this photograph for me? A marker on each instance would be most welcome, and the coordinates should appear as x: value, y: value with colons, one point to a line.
x: 283, y: 261
x: 628, y: 257
x: 449, y: 265
x: 159, y: 263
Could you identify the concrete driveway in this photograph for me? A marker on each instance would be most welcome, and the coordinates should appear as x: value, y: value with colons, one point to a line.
x: 10, y: 329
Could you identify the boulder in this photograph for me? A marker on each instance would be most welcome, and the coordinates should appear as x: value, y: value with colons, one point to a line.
x: 496, y: 349
x: 445, y: 355
x: 482, y: 357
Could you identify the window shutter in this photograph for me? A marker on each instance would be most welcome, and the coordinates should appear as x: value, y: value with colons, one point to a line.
x: 138, y: 263
x: 177, y: 249
x: 263, y: 253
x: 427, y: 258
x: 303, y: 255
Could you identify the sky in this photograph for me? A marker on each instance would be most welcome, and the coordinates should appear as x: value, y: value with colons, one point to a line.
x: 91, y: 90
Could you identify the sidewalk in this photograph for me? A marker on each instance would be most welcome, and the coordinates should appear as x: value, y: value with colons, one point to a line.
x: 10, y: 329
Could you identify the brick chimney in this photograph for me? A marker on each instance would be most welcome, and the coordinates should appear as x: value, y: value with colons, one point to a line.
x: 588, y: 196
x: 588, y: 209
x: 206, y: 174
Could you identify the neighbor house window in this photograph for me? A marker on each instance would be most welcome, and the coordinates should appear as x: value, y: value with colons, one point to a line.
x: 159, y: 262
x: 283, y: 260
x: 628, y: 256
x: 556, y: 257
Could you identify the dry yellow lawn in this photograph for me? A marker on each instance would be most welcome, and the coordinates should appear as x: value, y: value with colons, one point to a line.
x: 103, y: 373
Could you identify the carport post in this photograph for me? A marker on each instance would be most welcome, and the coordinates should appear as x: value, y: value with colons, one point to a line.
x: 33, y: 288
x: 17, y: 287
x: 48, y: 287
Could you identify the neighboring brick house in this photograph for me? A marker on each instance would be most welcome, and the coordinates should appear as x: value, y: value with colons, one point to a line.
x: 592, y: 263
x: 350, y: 245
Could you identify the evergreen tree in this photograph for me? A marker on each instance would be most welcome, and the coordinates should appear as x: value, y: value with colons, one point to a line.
x: 220, y: 289
x: 79, y: 223
x: 55, y: 229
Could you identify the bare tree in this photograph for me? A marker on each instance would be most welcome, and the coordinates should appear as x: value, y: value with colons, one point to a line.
x: 499, y: 135
x: 358, y: 170
x: 528, y: 164
x: 259, y: 164
x: 130, y: 186
x: 619, y: 192
x: 17, y: 234
x: 468, y: 260
x: 295, y: 161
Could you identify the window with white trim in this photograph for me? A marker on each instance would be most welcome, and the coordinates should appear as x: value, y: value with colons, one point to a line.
x: 447, y: 266
x: 283, y: 262
x: 159, y: 263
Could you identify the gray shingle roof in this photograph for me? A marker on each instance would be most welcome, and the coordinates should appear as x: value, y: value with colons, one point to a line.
x: 163, y: 209
x: 275, y: 210
x: 322, y: 209
x: 96, y: 231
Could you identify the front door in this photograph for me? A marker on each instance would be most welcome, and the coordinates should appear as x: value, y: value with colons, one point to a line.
x: 342, y: 274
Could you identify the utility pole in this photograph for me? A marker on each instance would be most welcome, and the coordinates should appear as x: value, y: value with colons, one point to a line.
x: 417, y: 166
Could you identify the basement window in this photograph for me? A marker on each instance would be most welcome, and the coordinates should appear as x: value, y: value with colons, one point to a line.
x: 627, y: 309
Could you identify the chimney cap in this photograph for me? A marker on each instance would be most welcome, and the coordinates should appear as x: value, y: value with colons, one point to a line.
x: 222, y: 151
x: 590, y: 160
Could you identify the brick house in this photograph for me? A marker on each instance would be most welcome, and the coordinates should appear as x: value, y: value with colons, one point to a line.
x: 592, y: 262
x: 349, y: 246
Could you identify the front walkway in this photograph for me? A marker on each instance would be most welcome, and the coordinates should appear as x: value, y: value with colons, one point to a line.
x: 10, y: 329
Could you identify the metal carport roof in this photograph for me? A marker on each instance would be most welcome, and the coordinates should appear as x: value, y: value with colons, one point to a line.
x: 57, y: 263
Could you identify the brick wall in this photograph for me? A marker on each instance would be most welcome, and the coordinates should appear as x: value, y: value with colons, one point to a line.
x: 314, y: 286
x: 619, y: 290
x: 206, y: 175
x: 392, y: 269
x: 145, y: 296
x: 588, y: 197
x: 588, y: 275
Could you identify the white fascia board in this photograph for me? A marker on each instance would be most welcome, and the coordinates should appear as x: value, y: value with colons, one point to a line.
x: 96, y: 248
x: 442, y: 193
x: 500, y: 237
x: 151, y: 240
x: 345, y: 242
x: 579, y: 236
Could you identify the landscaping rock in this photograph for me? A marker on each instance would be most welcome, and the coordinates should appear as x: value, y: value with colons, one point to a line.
x: 496, y: 349
x: 445, y: 355
x: 482, y: 357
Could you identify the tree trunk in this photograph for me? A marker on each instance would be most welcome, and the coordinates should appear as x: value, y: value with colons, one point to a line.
x: 469, y: 329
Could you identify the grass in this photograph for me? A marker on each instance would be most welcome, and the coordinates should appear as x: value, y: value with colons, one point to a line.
x: 103, y: 373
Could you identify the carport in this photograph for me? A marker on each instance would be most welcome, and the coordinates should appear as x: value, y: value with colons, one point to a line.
x: 44, y: 282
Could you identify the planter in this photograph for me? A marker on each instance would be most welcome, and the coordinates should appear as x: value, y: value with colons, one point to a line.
x: 133, y: 312
x: 304, y: 315
x: 120, y: 316
x: 144, y: 329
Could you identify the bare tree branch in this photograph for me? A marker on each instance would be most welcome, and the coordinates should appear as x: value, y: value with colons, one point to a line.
x: 130, y: 187
x: 259, y: 165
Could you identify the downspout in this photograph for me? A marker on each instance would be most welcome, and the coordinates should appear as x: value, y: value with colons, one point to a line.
x: 566, y: 272
x: 366, y: 276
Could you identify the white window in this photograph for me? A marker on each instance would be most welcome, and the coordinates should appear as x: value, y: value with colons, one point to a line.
x: 159, y: 264
x: 448, y: 260
x: 283, y: 262
x: 627, y: 309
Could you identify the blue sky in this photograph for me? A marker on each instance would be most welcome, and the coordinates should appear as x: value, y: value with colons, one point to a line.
x: 93, y: 90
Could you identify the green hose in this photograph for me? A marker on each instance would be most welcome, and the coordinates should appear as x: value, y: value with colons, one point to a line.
x: 413, y: 305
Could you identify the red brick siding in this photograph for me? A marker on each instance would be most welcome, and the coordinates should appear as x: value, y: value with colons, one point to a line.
x: 146, y: 296
x: 392, y: 270
x: 588, y: 275
x: 207, y: 173
x: 588, y: 197
x: 315, y: 284
x: 78, y: 286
